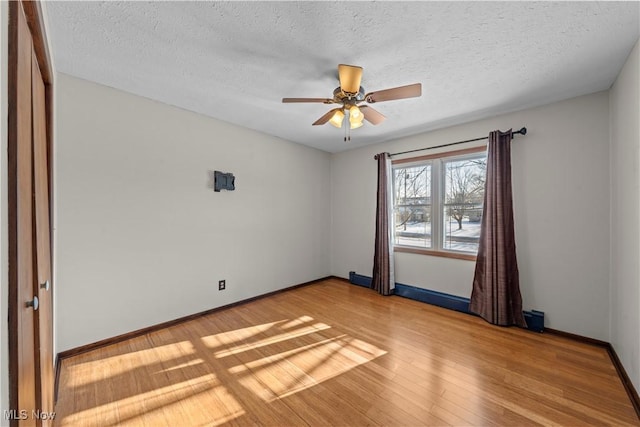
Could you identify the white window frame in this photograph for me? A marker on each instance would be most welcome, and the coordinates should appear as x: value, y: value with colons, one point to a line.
x: 438, y: 180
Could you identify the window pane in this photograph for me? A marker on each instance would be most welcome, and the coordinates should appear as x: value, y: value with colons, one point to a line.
x: 412, y: 207
x: 462, y: 210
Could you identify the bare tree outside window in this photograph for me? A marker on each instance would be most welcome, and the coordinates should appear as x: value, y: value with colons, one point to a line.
x: 464, y: 196
x: 412, y: 187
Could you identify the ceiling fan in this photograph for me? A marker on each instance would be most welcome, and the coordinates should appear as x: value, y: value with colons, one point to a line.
x: 350, y: 95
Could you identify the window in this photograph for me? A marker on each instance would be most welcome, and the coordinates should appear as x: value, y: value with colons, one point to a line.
x: 438, y: 203
x: 412, y: 190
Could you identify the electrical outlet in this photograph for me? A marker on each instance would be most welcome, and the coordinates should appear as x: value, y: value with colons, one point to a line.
x: 222, y: 285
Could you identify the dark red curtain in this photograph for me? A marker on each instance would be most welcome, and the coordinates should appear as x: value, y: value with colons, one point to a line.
x: 383, y: 276
x: 496, y: 285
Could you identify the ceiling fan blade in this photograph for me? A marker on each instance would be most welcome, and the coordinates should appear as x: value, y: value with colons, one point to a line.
x: 402, y: 92
x: 350, y: 76
x: 372, y: 116
x: 324, y: 119
x: 321, y: 100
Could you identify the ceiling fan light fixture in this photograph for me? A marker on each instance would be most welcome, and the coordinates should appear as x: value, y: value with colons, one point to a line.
x: 355, y: 125
x: 355, y: 117
x: 355, y: 113
x: 337, y: 118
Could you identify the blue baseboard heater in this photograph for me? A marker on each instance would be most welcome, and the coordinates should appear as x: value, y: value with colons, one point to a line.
x: 534, y: 318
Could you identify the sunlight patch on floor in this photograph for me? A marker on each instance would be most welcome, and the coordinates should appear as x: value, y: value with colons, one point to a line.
x: 183, y: 397
x: 297, y: 322
x: 235, y: 335
x: 83, y: 373
x: 271, y: 340
x: 281, y: 374
x: 183, y: 365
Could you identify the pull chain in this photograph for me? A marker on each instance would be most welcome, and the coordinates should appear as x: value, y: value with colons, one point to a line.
x: 347, y: 129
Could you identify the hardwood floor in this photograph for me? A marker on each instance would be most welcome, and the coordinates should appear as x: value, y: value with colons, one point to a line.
x: 336, y: 354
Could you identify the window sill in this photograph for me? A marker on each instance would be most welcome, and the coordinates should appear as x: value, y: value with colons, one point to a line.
x: 443, y: 254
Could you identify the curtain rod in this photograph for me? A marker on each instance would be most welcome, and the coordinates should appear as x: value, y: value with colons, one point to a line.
x: 522, y: 131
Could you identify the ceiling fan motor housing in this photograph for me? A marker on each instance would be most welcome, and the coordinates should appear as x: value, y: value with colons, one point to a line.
x: 347, y: 98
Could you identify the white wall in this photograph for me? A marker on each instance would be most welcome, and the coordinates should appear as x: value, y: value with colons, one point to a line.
x: 625, y: 216
x: 142, y: 239
x: 561, y: 207
x: 4, y: 220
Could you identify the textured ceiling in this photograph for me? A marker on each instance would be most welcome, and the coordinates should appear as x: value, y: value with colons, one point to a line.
x: 236, y: 60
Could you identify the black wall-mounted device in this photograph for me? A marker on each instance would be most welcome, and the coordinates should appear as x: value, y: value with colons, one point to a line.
x: 223, y: 181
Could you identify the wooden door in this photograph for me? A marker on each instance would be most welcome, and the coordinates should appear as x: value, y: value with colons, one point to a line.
x: 31, y: 376
x: 22, y: 354
x: 43, y: 320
